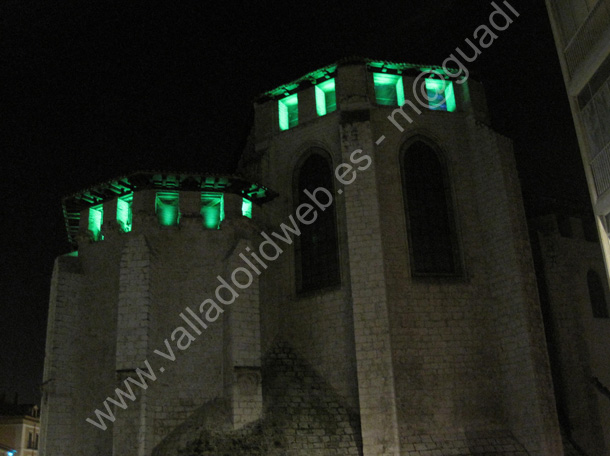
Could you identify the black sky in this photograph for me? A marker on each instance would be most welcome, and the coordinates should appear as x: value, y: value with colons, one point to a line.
x: 93, y: 90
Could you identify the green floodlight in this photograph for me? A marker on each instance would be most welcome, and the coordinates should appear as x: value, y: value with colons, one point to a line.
x: 167, y: 207
x: 212, y: 209
x: 96, y: 216
x: 326, y: 97
x: 124, y: 212
x: 389, y: 90
x: 246, y: 208
x: 441, y: 96
x: 288, y: 112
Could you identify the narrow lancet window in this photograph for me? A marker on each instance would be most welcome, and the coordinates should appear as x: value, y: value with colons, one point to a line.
x: 597, y: 295
x: 430, y: 220
x: 317, y: 255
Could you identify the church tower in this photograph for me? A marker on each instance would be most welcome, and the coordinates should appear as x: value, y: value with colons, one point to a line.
x: 363, y: 286
x: 414, y: 293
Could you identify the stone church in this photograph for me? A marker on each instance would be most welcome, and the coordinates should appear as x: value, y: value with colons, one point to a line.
x: 364, y: 284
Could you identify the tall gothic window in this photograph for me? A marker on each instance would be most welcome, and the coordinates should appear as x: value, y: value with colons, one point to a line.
x: 597, y: 295
x: 317, y: 255
x: 430, y: 219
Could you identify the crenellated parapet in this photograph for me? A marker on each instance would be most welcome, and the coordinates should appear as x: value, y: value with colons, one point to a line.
x: 157, y: 200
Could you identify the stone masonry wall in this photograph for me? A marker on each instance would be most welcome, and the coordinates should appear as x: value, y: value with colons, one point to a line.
x: 377, y: 394
x: 83, y: 363
x: 60, y: 357
x: 382, y: 364
x: 444, y: 364
x: 467, y: 359
x: 303, y: 417
x: 97, y: 335
x: 447, y: 365
x: 318, y: 324
x: 525, y: 383
x: 117, y: 303
x: 185, y: 266
x: 134, y: 302
x: 578, y: 340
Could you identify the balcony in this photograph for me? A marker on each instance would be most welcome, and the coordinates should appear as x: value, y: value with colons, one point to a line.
x: 600, y: 168
x: 588, y: 36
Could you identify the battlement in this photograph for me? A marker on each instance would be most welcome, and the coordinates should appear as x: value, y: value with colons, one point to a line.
x: 167, y: 198
x: 395, y: 263
x: 566, y: 226
x: 358, y: 84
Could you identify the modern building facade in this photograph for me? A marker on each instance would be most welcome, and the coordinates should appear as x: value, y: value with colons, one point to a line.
x: 364, y: 285
x: 582, y: 35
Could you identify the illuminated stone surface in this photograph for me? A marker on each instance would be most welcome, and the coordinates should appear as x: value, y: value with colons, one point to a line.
x: 385, y: 363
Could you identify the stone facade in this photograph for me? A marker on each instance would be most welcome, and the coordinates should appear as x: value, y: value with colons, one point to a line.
x: 383, y: 362
x: 580, y: 354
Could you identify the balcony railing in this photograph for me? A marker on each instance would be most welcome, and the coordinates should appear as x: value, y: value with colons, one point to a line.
x: 600, y: 167
x: 588, y: 35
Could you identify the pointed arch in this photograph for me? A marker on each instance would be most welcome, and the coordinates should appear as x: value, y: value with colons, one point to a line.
x: 433, y: 241
x: 317, y: 248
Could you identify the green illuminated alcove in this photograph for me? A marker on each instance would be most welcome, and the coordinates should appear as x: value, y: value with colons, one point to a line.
x: 288, y: 109
x: 96, y: 216
x: 167, y: 208
x: 441, y: 96
x: 124, y: 212
x: 246, y: 208
x: 212, y: 209
x: 389, y: 90
x: 326, y: 97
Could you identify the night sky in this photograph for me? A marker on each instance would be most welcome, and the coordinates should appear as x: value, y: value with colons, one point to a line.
x: 94, y: 90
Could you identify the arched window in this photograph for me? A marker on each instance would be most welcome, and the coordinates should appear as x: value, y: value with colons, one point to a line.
x: 597, y: 295
x: 317, y: 255
x: 430, y: 221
